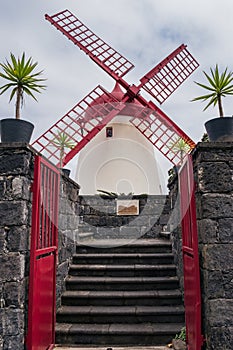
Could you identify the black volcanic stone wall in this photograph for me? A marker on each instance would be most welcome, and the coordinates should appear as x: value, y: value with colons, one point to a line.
x: 16, y: 176
x: 213, y: 174
x: 175, y: 227
x: 98, y: 215
x: 213, y: 169
x: 68, y: 229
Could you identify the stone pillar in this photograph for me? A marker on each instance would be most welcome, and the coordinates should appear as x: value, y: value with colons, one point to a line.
x: 16, y: 175
x: 213, y: 170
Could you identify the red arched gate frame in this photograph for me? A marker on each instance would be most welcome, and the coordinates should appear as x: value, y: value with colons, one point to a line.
x: 192, y: 293
x: 43, y: 256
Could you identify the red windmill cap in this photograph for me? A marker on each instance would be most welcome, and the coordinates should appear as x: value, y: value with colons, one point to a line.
x: 114, y: 96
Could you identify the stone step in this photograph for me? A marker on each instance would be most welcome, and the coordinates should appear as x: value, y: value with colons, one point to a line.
x: 123, y: 258
x: 132, y: 270
x: 122, y: 298
x: 121, y: 283
x: 85, y: 236
x: 124, y: 246
x: 110, y: 335
x: 120, y: 293
x: 165, y: 234
x: 98, y: 347
x: 120, y: 314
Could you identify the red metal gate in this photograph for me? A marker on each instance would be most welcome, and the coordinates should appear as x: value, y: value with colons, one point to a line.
x: 43, y: 256
x: 192, y: 294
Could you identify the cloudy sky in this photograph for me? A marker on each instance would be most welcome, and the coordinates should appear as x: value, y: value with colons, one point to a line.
x: 145, y: 31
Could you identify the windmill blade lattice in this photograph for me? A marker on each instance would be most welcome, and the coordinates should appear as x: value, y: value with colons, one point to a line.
x: 169, y: 74
x: 79, y: 125
x: 162, y: 133
x: 98, y: 50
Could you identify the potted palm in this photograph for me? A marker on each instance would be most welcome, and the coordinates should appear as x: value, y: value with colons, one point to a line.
x: 178, y: 145
x: 219, y: 85
x: 63, y: 141
x: 22, y: 79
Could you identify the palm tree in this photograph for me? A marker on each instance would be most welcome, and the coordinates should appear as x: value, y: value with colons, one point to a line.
x: 181, y: 146
x: 21, y: 79
x: 220, y: 85
x: 63, y: 141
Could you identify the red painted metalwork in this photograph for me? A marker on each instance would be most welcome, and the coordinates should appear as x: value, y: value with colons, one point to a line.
x: 43, y: 256
x: 162, y: 133
x: 98, y: 50
x: 169, y: 74
x: 80, y: 125
x: 192, y: 293
x: 160, y: 82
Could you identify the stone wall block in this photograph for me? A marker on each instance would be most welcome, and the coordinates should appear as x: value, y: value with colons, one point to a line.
x: 14, y: 163
x: 15, y: 187
x: 214, y: 177
x: 208, y: 231
x: 13, y: 293
x: 214, y: 206
x: 214, y: 152
x: 217, y: 257
x: 18, y: 238
x: 130, y: 231
x: 220, y: 338
x: 228, y: 283
x: 62, y: 223
x: 225, y: 233
x: 14, y: 267
x: 221, y: 311
x: 3, y: 241
x: 14, y: 342
x: 212, y: 284
x: 21, y: 188
x: 13, y: 213
x: 13, y: 322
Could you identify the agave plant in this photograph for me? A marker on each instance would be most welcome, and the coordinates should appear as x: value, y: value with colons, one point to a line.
x: 63, y: 141
x: 219, y: 85
x: 21, y: 79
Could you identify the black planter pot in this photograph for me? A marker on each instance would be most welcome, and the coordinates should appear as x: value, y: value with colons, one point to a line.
x: 16, y: 130
x: 220, y: 129
x: 66, y: 172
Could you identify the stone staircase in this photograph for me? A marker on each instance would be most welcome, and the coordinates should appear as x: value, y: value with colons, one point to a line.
x: 121, y: 295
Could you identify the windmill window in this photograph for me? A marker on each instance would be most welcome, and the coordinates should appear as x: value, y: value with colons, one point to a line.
x: 109, y: 132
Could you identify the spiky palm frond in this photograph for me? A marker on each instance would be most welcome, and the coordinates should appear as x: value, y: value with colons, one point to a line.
x: 181, y: 146
x: 62, y: 141
x: 21, y: 79
x: 220, y: 85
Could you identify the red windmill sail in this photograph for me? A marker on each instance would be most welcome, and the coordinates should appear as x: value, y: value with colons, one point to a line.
x: 160, y: 82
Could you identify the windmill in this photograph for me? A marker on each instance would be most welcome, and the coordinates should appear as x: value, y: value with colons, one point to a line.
x: 99, y: 108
